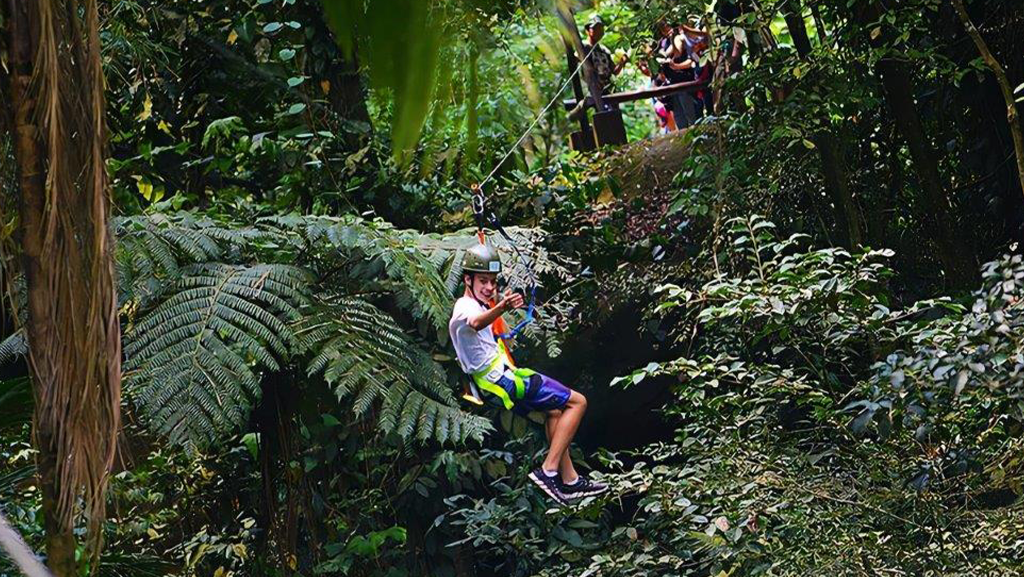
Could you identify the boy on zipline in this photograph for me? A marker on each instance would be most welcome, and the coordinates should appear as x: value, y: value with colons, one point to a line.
x: 520, y: 390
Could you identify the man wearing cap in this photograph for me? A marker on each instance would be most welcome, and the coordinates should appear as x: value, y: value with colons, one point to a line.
x: 599, y: 55
x: 518, y: 389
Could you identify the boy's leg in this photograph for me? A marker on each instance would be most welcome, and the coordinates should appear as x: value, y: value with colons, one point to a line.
x: 565, y: 466
x: 564, y: 430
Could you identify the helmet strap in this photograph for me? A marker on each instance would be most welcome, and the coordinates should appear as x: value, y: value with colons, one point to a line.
x: 472, y: 289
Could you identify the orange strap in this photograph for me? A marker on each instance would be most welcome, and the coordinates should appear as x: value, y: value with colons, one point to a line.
x: 500, y: 327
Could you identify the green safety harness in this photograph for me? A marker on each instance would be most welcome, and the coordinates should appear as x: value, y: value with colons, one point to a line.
x: 502, y: 359
x: 518, y: 375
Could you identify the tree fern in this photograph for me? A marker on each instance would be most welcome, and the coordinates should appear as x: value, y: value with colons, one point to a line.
x: 364, y: 356
x: 193, y: 362
x: 409, y: 412
x: 374, y: 251
x: 153, y: 248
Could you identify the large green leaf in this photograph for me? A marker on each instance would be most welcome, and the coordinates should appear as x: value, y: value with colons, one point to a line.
x: 401, y: 42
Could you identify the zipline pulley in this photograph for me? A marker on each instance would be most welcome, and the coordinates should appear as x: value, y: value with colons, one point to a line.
x: 485, y: 217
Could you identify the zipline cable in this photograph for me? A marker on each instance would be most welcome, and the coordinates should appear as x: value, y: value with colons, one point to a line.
x: 543, y: 111
x: 483, y: 217
x: 534, y: 123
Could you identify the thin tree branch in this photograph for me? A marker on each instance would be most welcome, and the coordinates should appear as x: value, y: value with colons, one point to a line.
x: 1012, y: 116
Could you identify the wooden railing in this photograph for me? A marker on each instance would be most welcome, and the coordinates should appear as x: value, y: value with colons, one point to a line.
x: 641, y: 94
x: 608, y: 127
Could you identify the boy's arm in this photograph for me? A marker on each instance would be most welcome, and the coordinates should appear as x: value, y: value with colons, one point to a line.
x: 483, y: 320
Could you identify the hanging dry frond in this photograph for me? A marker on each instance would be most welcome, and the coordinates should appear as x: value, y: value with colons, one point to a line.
x: 56, y: 92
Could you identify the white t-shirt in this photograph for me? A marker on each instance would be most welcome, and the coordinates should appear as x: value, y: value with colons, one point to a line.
x: 476, y: 349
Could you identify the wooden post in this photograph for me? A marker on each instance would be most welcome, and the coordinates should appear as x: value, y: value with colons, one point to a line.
x: 584, y: 139
x: 569, y: 29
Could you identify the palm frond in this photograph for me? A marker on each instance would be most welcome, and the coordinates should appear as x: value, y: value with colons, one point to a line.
x: 192, y: 362
x: 12, y: 480
x: 134, y: 565
x: 364, y: 356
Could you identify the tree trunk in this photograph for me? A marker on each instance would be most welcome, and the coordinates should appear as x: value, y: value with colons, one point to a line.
x: 60, y: 538
x: 819, y: 25
x: 345, y: 90
x: 833, y: 165
x: 792, y: 11
x: 56, y: 116
x: 953, y: 251
x: 22, y: 30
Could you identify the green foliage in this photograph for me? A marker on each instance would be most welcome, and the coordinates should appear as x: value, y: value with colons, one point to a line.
x: 810, y: 313
x: 361, y: 549
x: 955, y: 382
x: 409, y: 69
x: 208, y: 332
x: 363, y: 354
x: 154, y: 248
x: 15, y: 403
x: 221, y: 130
x: 772, y: 470
x: 370, y: 250
x: 824, y: 419
x: 194, y: 360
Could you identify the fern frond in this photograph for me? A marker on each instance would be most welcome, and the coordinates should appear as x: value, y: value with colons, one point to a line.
x: 408, y: 412
x: 14, y: 298
x: 153, y: 248
x: 13, y: 346
x: 12, y: 479
x: 365, y: 356
x: 531, y: 253
x: 192, y: 362
x: 376, y: 251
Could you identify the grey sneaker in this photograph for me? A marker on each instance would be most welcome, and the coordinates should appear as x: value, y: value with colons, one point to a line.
x: 583, y: 487
x: 552, y: 486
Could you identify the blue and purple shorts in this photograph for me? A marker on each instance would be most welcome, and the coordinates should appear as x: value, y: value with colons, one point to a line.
x: 542, y: 394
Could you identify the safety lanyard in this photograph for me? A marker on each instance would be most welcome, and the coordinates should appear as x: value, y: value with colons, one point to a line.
x: 486, y: 217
